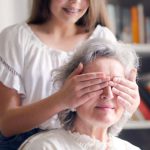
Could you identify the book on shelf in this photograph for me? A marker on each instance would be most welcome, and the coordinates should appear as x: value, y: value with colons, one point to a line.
x: 144, y: 107
x: 129, y: 23
x: 142, y: 113
x: 145, y: 95
x: 145, y: 111
x: 125, y: 26
x: 135, y: 25
x: 147, y: 24
x: 141, y: 20
x: 112, y: 16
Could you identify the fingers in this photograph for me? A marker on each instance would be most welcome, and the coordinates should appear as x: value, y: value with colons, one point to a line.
x: 90, y: 76
x: 127, y: 92
x: 126, y: 101
x: 126, y: 105
x: 124, y: 82
x: 123, y: 95
x: 94, y: 88
x: 123, y: 89
x: 91, y: 95
x: 86, y: 87
x: 89, y: 81
x: 84, y: 77
x: 77, y: 71
x: 133, y: 74
x: 92, y: 82
x: 126, y: 89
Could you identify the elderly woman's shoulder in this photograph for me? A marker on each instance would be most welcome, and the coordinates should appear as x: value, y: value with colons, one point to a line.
x: 123, y: 145
x: 45, y: 140
x: 49, y: 135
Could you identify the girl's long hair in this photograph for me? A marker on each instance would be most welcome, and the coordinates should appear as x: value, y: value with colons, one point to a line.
x: 96, y: 14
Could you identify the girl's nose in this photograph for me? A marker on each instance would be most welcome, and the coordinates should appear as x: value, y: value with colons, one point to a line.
x: 107, y: 94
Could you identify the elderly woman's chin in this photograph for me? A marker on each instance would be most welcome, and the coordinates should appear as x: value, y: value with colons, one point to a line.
x: 101, y: 115
x: 106, y: 120
x: 109, y: 116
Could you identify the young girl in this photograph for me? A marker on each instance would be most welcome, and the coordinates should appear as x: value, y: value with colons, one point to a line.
x: 29, y: 52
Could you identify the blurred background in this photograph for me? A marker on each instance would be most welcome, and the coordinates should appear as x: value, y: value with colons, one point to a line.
x: 130, y: 22
x: 14, y: 11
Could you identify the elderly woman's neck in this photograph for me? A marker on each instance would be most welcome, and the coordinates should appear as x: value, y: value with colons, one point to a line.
x: 92, y: 131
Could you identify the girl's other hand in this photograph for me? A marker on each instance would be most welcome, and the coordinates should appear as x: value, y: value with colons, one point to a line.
x: 127, y: 91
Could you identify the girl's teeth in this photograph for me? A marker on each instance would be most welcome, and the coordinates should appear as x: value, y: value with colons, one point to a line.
x: 73, y: 10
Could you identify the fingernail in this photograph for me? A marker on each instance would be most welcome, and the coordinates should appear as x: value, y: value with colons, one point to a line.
x: 114, y: 90
x: 111, y: 83
x: 116, y: 79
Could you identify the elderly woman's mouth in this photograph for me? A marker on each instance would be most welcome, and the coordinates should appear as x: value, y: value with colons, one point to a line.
x: 105, y: 107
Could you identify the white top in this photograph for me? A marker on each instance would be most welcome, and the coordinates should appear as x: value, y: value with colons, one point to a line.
x: 26, y: 63
x: 60, y: 139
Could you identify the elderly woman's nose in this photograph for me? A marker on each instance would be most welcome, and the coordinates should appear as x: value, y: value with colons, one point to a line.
x: 107, y: 93
x: 75, y: 1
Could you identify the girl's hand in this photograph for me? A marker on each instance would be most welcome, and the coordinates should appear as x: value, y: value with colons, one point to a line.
x: 79, y: 88
x: 127, y: 91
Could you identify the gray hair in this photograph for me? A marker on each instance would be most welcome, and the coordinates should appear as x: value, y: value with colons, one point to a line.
x: 89, y: 51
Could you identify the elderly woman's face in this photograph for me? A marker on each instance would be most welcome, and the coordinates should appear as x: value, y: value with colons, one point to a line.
x: 103, y: 110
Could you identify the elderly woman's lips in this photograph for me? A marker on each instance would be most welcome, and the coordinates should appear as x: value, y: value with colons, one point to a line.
x: 104, y: 107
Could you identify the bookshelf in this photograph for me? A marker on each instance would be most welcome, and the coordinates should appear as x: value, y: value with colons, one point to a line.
x: 142, y: 49
x: 130, y: 20
x: 139, y: 125
x: 131, y: 24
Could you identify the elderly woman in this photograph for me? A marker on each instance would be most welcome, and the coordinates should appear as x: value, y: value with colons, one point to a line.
x: 94, y: 124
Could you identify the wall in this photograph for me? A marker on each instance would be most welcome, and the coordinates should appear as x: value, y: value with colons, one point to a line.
x: 13, y: 11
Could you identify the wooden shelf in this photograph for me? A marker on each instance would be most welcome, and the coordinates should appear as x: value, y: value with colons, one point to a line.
x: 137, y: 125
x: 141, y: 48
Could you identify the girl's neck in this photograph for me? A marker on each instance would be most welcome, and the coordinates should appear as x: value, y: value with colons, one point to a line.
x: 58, y: 36
x: 60, y: 30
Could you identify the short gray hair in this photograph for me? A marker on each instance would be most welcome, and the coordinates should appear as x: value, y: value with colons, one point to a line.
x: 89, y: 51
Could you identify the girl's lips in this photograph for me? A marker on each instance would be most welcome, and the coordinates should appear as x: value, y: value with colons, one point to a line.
x: 71, y: 10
